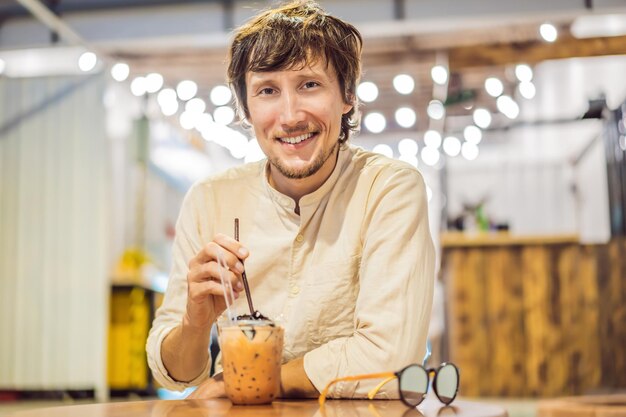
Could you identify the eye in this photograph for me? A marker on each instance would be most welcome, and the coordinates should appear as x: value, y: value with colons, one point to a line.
x: 311, y: 84
x: 267, y: 91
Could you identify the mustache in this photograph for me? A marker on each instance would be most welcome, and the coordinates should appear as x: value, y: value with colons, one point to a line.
x: 298, y: 130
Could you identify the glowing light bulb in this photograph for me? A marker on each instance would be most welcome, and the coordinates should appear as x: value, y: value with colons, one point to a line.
x: 548, y: 32
x: 87, y: 61
x: 120, y: 71
x: 404, y: 84
x: 367, y: 91
x: 375, y: 122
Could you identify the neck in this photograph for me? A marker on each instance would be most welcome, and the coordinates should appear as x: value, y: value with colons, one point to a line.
x: 297, y: 188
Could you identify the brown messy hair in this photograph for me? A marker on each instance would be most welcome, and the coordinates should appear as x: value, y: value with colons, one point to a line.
x: 290, y: 36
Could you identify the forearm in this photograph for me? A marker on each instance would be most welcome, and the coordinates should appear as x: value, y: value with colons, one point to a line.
x: 294, y: 382
x: 185, y: 351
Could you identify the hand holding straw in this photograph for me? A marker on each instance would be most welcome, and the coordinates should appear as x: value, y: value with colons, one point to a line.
x: 243, y: 274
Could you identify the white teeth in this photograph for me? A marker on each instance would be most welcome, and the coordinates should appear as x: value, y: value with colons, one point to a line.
x: 296, y: 139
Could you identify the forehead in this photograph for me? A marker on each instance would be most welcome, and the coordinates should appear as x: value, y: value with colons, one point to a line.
x: 312, y: 68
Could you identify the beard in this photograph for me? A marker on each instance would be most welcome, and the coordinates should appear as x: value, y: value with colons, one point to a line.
x: 305, y: 172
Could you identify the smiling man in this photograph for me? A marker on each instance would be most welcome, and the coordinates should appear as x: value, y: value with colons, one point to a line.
x: 335, y: 239
x: 296, y: 115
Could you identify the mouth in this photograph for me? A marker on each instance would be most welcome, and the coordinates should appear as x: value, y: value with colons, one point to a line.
x: 297, y: 140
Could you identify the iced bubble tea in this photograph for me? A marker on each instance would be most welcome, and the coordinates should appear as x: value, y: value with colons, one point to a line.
x: 251, y: 357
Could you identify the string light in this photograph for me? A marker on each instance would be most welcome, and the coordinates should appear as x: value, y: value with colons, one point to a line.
x: 375, y: 122
x: 523, y: 72
x: 469, y: 151
x: 120, y: 71
x: 186, y: 121
x: 548, y: 32
x: 482, y: 118
x: 507, y: 106
x: 224, y: 115
x: 138, y: 86
x: 154, y: 82
x: 195, y: 105
x: 436, y: 110
x: 405, y: 117
x: 432, y: 139
x: 403, y: 83
x: 527, y: 90
x: 439, y: 74
x: 473, y: 134
x: 367, y: 91
x: 220, y: 95
x: 186, y: 90
x: 494, y: 86
x: 430, y: 155
x: 87, y: 61
x: 452, y: 146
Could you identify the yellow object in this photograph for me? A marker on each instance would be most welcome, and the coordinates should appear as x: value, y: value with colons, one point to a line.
x: 377, y: 388
x: 130, y: 318
x: 129, y: 267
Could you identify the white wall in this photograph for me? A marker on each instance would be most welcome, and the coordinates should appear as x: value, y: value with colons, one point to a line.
x: 54, y: 232
x: 529, y: 171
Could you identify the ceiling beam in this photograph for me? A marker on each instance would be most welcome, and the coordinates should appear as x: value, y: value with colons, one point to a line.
x: 533, y: 51
x: 13, y: 10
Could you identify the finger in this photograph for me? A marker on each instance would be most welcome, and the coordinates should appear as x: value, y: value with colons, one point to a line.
x: 210, y: 253
x: 214, y: 271
x: 208, y: 389
x: 199, y: 292
x: 218, y: 273
x: 198, y: 393
x: 232, y: 245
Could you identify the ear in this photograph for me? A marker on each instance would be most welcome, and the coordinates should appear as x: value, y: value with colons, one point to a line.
x: 350, y: 104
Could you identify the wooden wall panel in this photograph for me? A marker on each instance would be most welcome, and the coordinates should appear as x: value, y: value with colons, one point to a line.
x: 616, y: 310
x: 537, y: 319
x: 505, y: 322
x: 545, y: 373
x: 469, y: 311
x: 579, y: 306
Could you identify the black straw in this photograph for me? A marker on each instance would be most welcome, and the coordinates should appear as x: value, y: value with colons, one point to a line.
x: 243, y: 274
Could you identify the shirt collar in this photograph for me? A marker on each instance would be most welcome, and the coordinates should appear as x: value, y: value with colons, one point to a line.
x: 316, y: 196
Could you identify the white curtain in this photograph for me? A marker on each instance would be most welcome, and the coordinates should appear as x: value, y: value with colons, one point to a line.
x: 54, y: 215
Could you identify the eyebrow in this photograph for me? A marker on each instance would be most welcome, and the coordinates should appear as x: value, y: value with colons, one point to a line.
x: 259, y: 77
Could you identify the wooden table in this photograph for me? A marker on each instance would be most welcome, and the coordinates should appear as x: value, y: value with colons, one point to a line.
x: 222, y: 408
x: 584, y: 406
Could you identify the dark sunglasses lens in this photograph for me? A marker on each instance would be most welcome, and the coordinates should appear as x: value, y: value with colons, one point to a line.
x: 414, y: 384
x: 447, y: 383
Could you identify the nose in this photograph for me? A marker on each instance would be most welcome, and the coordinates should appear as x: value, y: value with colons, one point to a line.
x: 291, y: 113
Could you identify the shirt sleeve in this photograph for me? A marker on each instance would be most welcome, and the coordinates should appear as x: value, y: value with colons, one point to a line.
x: 396, y: 278
x: 187, y: 243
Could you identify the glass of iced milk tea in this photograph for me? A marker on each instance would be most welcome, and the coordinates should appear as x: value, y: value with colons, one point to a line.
x: 252, y: 353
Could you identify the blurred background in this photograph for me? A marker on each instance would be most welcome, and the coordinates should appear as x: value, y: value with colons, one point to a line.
x: 513, y: 111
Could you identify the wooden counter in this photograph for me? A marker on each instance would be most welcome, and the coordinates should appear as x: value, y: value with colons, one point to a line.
x: 223, y: 408
x: 535, y: 316
x: 456, y: 240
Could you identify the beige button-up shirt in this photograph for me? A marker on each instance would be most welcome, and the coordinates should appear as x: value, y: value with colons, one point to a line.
x: 350, y: 278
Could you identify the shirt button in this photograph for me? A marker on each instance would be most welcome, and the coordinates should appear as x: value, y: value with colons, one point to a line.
x: 299, y: 238
x: 295, y: 290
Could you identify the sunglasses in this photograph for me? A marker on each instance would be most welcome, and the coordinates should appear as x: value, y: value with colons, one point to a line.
x: 413, y: 382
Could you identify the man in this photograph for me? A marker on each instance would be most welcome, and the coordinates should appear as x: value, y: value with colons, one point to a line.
x: 335, y: 239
